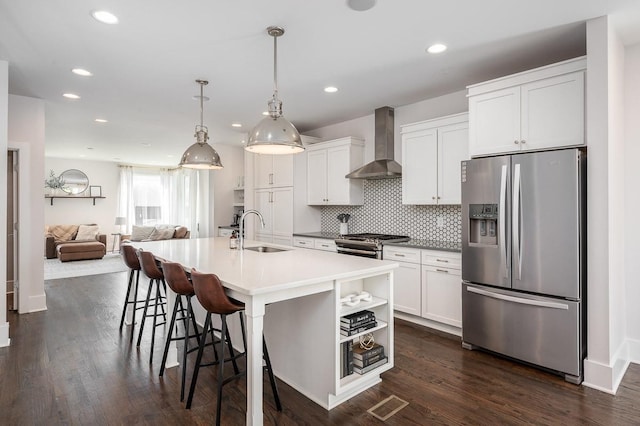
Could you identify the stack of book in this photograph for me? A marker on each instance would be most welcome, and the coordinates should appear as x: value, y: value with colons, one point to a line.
x: 357, y: 323
x: 346, y: 360
x: 365, y: 360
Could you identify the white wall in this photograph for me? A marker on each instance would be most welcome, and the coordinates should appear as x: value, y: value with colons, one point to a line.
x: 82, y: 211
x: 632, y: 197
x: 4, y: 91
x: 27, y: 135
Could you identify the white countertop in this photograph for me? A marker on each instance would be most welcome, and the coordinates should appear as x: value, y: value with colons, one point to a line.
x: 252, y: 273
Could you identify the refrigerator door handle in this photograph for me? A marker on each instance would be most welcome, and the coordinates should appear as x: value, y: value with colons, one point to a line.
x: 517, y: 237
x: 502, y: 220
x: 520, y: 300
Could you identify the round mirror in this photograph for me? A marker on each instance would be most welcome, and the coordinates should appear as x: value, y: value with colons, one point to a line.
x: 74, y: 182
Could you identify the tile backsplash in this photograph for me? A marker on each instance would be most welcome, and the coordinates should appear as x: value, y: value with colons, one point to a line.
x: 383, y: 212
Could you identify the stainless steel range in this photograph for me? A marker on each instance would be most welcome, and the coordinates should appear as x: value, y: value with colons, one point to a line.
x: 366, y: 245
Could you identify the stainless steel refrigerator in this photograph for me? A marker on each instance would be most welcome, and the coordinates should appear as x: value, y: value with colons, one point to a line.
x: 523, y: 258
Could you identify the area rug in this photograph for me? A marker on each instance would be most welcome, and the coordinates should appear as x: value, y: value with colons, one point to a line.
x: 54, y: 269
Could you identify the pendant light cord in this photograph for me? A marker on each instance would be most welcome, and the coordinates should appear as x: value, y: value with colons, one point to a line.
x: 275, y: 67
x: 201, y: 106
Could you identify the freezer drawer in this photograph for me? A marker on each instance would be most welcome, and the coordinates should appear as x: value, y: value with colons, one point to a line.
x: 534, y: 329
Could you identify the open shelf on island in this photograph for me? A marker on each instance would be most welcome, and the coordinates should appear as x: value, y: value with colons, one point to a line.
x: 381, y: 324
x: 362, y: 306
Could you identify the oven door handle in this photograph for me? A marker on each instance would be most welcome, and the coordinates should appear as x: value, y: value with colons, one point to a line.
x: 348, y: 250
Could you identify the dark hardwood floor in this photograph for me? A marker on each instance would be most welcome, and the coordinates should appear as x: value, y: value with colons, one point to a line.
x: 71, y: 365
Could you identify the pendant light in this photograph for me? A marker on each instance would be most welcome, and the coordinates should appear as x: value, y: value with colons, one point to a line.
x: 201, y: 155
x: 274, y: 134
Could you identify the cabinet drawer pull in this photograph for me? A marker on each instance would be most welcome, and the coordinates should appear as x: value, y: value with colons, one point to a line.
x: 523, y: 141
x: 442, y: 260
x: 442, y: 270
x: 398, y: 254
x: 433, y: 198
x: 516, y: 142
x: 271, y: 178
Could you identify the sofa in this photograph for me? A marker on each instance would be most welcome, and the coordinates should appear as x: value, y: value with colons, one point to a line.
x: 74, y: 242
x: 155, y: 233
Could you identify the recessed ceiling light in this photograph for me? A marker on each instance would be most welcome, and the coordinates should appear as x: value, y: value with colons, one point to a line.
x: 361, y: 5
x: 437, y: 48
x: 330, y: 89
x: 71, y: 96
x: 82, y: 155
x: 101, y: 120
x: 145, y: 144
x: 104, y: 17
x: 82, y: 72
x: 243, y: 141
x: 265, y: 112
x: 236, y: 125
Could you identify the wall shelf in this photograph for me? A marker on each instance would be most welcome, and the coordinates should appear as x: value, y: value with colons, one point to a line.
x: 71, y: 197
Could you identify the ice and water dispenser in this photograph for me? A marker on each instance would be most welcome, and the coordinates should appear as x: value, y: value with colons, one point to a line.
x: 483, y: 224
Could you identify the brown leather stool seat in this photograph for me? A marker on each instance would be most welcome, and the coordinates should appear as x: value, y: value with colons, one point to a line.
x: 178, y: 281
x: 211, y: 295
x: 130, y: 259
x: 157, y: 286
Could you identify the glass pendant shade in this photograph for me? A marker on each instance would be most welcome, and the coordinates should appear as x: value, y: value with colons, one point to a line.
x: 275, y: 134
x: 201, y: 155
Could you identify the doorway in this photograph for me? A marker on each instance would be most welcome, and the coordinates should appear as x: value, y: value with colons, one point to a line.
x: 12, y: 236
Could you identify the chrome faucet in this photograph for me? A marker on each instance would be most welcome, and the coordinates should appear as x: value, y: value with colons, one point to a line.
x: 241, y: 237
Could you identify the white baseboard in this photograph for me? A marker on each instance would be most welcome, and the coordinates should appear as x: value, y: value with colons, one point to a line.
x: 456, y: 331
x: 37, y: 303
x: 607, y: 377
x: 4, y: 335
x: 634, y: 350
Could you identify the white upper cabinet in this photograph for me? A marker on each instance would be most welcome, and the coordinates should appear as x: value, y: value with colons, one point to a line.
x: 273, y: 171
x: 431, y: 154
x: 327, y: 164
x: 533, y: 110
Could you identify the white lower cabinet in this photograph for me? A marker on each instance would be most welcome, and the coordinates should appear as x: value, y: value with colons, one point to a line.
x: 314, y: 243
x: 428, y: 287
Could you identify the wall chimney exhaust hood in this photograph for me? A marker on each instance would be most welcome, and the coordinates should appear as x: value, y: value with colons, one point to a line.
x: 383, y: 167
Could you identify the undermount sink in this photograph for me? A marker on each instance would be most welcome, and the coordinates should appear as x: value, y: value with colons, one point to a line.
x: 265, y: 249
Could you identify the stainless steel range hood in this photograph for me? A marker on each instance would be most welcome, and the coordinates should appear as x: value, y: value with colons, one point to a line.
x: 384, y: 166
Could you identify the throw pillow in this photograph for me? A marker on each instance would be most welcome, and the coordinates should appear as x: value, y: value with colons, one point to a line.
x: 139, y: 233
x: 63, y: 233
x: 181, y: 232
x: 87, y: 232
x: 161, y: 234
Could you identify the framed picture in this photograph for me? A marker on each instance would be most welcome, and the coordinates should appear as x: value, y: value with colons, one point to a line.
x: 95, y: 191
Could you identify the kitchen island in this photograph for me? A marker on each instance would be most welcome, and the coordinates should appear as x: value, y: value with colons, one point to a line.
x: 302, y: 322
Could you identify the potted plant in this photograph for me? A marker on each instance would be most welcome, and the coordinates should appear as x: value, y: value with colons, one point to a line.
x: 53, y: 182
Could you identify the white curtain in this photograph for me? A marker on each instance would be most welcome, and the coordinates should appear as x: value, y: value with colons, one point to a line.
x: 126, y: 205
x: 185, y: 197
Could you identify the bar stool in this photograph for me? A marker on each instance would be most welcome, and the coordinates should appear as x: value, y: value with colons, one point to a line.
x: 211, y: 295
x: 131, y: 260
x: 177, y: 280
x: 156, y: 277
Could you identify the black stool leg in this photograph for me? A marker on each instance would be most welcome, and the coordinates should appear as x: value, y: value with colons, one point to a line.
x: 196, y: 368
x: 232, y: 353
x: 186, y: 344
x: 144, y: 313
x: 272, y: 379
x: 135, y: 308
x: 169, y: 335
x: 126, y: 298
x: 155, y: 319
x: 223, y: 332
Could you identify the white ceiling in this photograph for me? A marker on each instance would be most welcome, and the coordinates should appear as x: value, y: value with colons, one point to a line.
x: 146, y: 66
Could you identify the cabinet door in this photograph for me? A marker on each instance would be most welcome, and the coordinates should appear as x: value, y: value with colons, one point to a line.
x: 406, y: 288
x: 420, y: 167
x: 263, y: 166
x: 263, y: 204
x: 453, y: 148
x: 442, y: 295
x: 282, y: 212
x: 338, y: 186
x: 494, y: 122
x: 283, y: 241
x: 317, y: 177
x: 265, y: 238
x: 553, y: 112
x: 282, y: 170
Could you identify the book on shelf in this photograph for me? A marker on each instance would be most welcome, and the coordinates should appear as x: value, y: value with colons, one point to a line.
x: 357, y: 317
x: 346, y: 360
x: 368, y: 368
x: 358, y: 323
x: 352, y: 331
x: 362, y: 363
x: 362, y: 354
